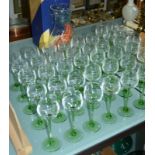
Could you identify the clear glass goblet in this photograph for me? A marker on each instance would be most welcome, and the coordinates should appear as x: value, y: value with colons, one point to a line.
x: 110, y: 66
x: 92, y: 96
x: 29, y: 52
x: 49, y: 110
x: 56, y: 87
x: 45, y: 72
x: 111, y: 86
x: 129, y: 79
x: 92, y: 72
x: 16, y: 66
x: 140, y: 103
x: 71, y: 103
x: 75, y: 82
x: 35, y: 93
x: 25, y: 77
x: 81, y: 60
x: 97, y: 57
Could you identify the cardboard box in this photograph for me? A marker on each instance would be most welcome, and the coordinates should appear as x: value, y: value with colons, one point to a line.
x: 42, y: 22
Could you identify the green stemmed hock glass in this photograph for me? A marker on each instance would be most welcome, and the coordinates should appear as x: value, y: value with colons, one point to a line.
x: 49, y: 110
x: 92, y: 95
x: 129, y: 79
x: 35, y: 93
x: 71, y: 103
x: 75, y: 82
x: 25, y: 76
x: 56, y: 87
x: 111, y: 85
x: 140, y: 103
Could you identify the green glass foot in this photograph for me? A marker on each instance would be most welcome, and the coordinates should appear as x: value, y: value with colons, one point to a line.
x: 30, y: 109
x: 92, y: 126
x: 23, y: 98
x: 125, y: 111
x: 61, y: 117
x: 140, y: 104
x: 51, y: 144
x: 122, y: 92
x: 39, y: 124
x: 79, y: 112
x: 109, y: 118
x: 15, y: 87
x: 73, y: 135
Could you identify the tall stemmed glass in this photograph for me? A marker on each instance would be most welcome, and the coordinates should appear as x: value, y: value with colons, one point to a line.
x: 110, y: 67
x: 81, y: 60
x: 76, y: 81
x: 35, y: 93
x: 72, y: 102
x: 64, y: 67
x: 97, y: 57
x: 16, y: 66
x: 29, y: 52
x: 56, y: 86
x: 45, y: 71
x: 129, y: 79
x: 128, y: 62
x: 49, y: 110
x: 25, y: 77
x: 92, y: 95
x: 140, y: 103
x: 92, y: 73
x: 111, y: 85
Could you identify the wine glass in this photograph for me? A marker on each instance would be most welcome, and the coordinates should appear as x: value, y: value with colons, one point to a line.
x: 45, y: 71
x: 128, y: 62
x: 140, y: 103
x: 49, y: 110
x: 16, y: 65
x: 71, y: 103
x: 111, y: 85
x: 29, y: 52
x: 25, y: 77
x: 64, y: 67
x: 110, y: 66
x: 81, y: 60
x: 92, y: 95
x: 92, y: 72
x: 97, y: 57
x: 37, y: 61
x: 76, y: 79
x: 56, y: 86
x: 35, y: 93
x: 129, y: 79
x: 76, y: 82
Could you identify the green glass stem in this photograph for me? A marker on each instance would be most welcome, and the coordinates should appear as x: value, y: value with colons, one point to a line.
x: 71, y: 118
x: 49, y: 129
x: 126, y: 99
x: 126, y: 92
x: 90, y: 111
x: 141, y: 96
x: 108, y: 103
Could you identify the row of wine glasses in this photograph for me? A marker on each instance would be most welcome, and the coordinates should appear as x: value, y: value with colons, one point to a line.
x: 92, y: 69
